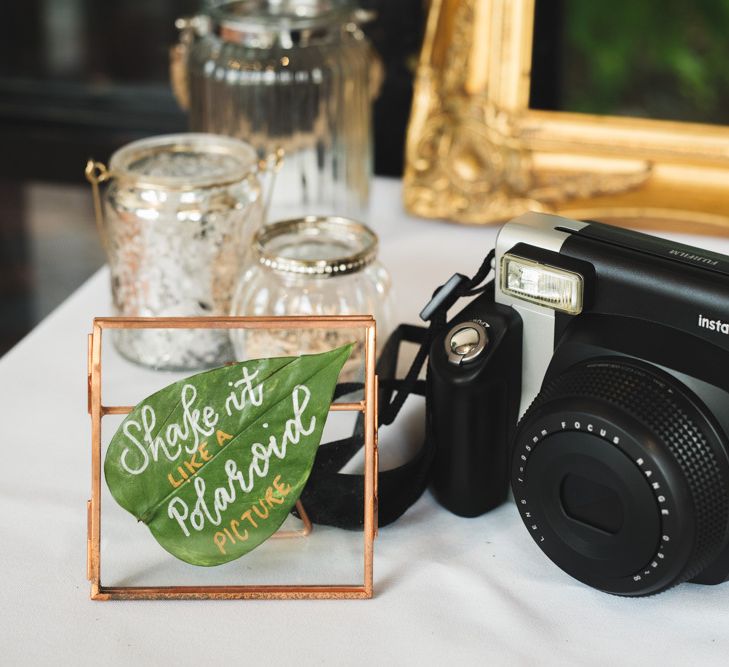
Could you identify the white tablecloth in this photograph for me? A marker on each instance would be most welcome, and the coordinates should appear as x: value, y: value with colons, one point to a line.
x: 465, y: 591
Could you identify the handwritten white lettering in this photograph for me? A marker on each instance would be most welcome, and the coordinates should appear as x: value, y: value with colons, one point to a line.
x: 248, y: 393
x: 197, y: 424
x: 238, y: 480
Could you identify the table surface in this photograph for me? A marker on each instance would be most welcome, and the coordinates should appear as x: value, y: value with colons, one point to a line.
x: 446, y: 588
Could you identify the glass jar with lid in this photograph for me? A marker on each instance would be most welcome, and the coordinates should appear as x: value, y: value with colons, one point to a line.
x: 177, y: 218
x: 312, y: 266
x: 292, y: 74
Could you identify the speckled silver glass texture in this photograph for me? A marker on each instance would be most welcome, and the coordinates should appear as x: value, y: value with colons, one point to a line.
x: 180, y: 213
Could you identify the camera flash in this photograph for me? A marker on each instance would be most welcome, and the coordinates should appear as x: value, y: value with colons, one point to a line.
x: 546, y: 285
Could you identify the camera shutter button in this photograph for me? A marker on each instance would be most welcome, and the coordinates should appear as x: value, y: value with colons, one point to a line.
x: 465, y: 342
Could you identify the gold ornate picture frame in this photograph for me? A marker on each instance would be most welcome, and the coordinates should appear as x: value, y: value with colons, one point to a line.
x: 476, y: 153
x: 367, y: 406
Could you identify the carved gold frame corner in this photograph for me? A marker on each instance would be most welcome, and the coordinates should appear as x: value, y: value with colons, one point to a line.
x: 476, y: 153
x: 367, y: 406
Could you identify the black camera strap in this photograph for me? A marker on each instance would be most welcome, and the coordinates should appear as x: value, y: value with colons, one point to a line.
x: 334, y: 498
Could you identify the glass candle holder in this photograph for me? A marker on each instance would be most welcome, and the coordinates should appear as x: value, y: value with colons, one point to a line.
x: 294, y: 74
x: 312, y: 266
x: 177, y: 218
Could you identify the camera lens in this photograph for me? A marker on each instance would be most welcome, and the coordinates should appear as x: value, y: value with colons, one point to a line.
x: 592, y: 503
x: 622, y: 478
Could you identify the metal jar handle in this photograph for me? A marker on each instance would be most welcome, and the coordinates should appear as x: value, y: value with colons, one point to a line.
x: 190, y: 28
x: 270, y: 165
x: 96, y: 174
x: 376, y: 66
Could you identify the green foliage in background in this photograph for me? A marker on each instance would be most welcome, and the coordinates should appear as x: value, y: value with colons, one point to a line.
x: 657, y: 58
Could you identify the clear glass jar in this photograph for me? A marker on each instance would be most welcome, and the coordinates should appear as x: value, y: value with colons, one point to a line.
x: 312, y: 266
x: 291, y: 74
x: 177, y: 219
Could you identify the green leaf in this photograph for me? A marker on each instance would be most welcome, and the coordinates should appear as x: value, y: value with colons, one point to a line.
x: 214, y: 463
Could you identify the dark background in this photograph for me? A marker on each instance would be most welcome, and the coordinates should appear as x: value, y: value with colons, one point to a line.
x: 80, y: 78
x: 84, y: 77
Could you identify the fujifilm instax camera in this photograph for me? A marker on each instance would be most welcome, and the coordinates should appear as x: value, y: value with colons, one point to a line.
x: 613, y: 348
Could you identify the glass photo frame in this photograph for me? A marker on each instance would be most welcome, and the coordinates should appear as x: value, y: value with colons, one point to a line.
x: 316, y: 562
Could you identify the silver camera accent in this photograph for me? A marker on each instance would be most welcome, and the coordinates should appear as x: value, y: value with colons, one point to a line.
x: 548, y: 232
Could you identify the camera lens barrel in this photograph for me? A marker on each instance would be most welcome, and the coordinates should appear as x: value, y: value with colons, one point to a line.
x: 621, y: 477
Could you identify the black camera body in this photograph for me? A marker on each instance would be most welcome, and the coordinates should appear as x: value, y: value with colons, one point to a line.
x: 476, y: 385
x: 620, y: 462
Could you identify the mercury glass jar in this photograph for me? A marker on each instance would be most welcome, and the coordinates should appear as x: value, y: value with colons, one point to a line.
x: 312, y: 266
x: 292, y: 74
x: 177, y: 219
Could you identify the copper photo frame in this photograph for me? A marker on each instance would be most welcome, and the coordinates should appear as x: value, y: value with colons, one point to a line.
x: 367, y: 406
